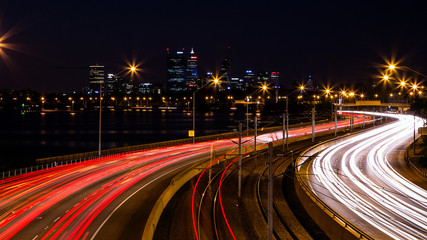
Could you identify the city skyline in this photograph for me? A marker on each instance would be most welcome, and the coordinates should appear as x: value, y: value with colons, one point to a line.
x: 48, y: 46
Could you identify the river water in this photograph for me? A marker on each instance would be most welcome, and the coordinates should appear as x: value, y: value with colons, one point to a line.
x: 29, y: 136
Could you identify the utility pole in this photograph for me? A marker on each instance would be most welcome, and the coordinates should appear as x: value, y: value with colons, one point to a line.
x: 212, y: 158
x: 313, y: 121
x: 270, y: 191
x: 100, y: 111
x: 287, y: 123
x: 283, y: 132
x: 363, y: 117
x: 194, y: 116
x: 256, y: 132
x: 414, y: 133
x: 247, y: 119
x: 239, y: 186
x: 336, y: 121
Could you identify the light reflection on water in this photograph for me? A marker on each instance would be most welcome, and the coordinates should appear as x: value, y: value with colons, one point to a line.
x: 24, y: 138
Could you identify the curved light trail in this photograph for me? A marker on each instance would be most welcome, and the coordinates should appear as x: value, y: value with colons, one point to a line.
x: 358, y: 178
x: 262, y: 140
x: 76, y: 200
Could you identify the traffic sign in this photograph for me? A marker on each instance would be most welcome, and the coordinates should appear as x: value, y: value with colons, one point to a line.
x: 191, y: 133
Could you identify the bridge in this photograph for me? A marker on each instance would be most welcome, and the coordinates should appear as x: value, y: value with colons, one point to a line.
x: 401, y: 107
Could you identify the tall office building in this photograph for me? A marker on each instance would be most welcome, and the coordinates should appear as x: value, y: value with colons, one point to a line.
x: 276, y: 84
x: 237, y: 83
x: 192, y: 73
x: 310, y: 86
x: 263, y: 78
x: 96, y: 78
x: 176, y: 70
x: 225, y: 71
x: 115, y: 85
x: 275, y: 79
x: 249, y: 79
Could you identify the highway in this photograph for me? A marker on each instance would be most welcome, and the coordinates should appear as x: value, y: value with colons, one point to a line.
x: 105, y: 198
x: 364, y: 179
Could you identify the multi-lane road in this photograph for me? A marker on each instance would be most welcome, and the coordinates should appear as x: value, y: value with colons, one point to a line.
x: 106, y: 198
x: 365, y: 179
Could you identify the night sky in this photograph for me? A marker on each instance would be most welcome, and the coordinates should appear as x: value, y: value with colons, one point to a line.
x: 54, y: 42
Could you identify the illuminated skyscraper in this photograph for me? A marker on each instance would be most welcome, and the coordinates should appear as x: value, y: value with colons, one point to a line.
x: 263, y: 78
x: 249, y: 79
x: 276, y: 84
x: 192, y: 74
x: 237, y: 83
x: 275, y: 79
x: 176, y: 71
x: 225, y: 71
x: 96, y: 78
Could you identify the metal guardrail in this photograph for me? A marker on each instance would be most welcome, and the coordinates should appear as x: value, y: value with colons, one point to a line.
x: 40, y: 167
x: 49, y: 162
x: 317, y: 200
x: 418, y: 171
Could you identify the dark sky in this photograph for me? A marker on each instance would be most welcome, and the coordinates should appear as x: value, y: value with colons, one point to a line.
x: 56, y: 41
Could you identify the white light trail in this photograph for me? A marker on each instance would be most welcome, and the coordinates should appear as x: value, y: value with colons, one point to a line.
x: 365, y: 182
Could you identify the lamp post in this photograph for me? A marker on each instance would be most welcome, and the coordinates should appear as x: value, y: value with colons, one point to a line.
x: 100, y: 117
x: 215, y: 82
x: 248, y: 100
x: 42, y: 103
x: 393, y: 67
x: 414, y: 133
x: 287, y: 114
x: 131, y: 69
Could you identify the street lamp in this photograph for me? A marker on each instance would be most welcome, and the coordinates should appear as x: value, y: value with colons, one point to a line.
x: 132, y: 69
x: 301, y: 88
x: 215, y: 82
x: 392, y: 67
x: 42, y: 98
x: 248, y: 99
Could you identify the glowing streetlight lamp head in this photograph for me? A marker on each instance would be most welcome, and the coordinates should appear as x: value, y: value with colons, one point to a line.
x: 391, y: 66
x: 133, y: 69
x: 385, y: 77
x: 402, y: 83
x: 216, y: 81
x: 301, y: 88
x: 351, y: 94
x: 264, y: 87
x: 414, y: 86
x: 327, y: 91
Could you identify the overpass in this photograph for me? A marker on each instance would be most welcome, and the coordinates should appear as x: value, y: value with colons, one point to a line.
x: 401, y: 107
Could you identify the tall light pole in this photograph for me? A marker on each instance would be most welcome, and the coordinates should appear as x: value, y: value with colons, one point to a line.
x: 215, y: 82
x: 42, y: 103
x: 247, y: 101
x: 393, y: 67
x: 301, y: 88
x: 100, y: 117
x: 131, y: 69
x: 414, y: 133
